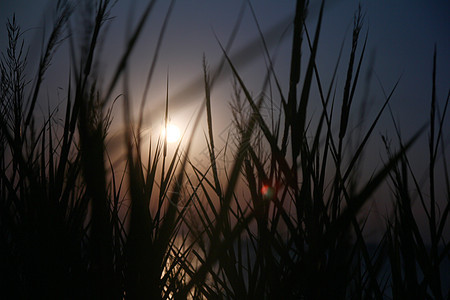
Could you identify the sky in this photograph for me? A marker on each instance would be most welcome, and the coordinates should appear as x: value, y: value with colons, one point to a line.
x: 401, y: 37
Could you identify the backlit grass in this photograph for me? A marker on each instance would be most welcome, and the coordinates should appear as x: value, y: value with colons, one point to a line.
x: 283, y: 220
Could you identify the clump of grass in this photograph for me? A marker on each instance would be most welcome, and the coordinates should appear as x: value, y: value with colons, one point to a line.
x: 284, y: 220
x: 309, y: 235
x: 417, y: 264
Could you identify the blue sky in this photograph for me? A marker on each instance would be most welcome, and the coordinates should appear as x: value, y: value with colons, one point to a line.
x: 402, y: 36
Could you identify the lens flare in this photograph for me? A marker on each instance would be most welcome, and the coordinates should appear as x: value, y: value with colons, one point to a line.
x: 267, y: 191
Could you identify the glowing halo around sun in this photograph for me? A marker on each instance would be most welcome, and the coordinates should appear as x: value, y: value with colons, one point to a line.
x: 173, y: 133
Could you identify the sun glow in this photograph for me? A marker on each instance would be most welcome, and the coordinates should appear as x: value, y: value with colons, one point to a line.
x: 173, y: 133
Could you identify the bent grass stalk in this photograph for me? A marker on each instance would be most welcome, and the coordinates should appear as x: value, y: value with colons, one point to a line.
x: 165, y: 228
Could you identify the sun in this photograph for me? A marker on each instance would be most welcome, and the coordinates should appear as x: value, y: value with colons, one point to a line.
x: 173, y: 133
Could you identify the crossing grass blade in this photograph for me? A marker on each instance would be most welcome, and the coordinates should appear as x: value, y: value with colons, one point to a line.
x: 284, y: 219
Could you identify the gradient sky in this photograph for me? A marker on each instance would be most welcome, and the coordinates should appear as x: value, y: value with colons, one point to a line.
x: 402, y: 35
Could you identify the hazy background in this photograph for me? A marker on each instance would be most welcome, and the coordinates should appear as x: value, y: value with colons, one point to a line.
x: 401, y: 38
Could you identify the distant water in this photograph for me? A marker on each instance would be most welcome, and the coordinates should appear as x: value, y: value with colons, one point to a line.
x: 445, y: 269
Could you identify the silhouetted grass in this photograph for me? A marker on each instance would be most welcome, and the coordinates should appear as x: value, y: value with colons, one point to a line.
x: 283, y: 220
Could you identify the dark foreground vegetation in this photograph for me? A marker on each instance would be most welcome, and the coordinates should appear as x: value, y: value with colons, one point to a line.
x: 71, y: 226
